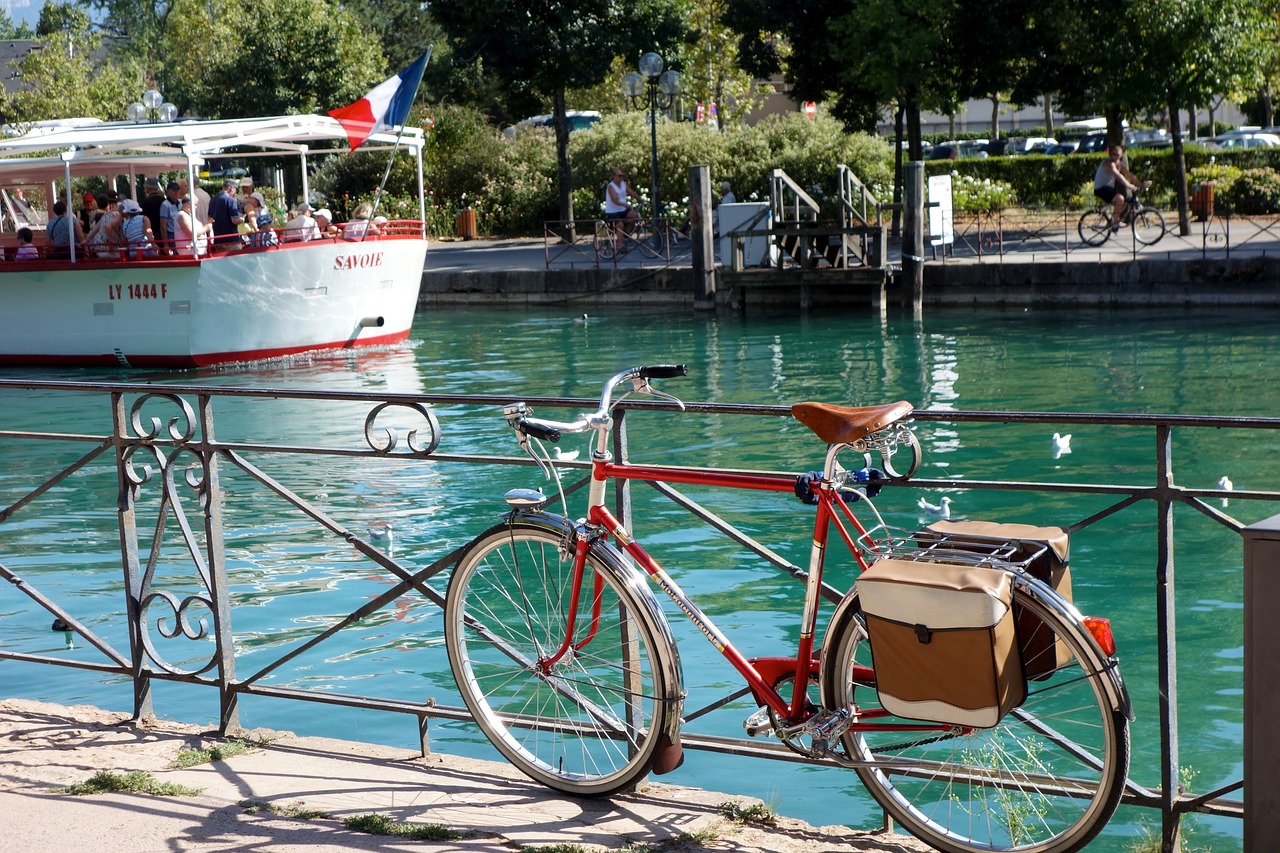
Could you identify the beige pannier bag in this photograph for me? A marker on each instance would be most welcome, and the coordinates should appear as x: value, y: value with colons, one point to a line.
x: 1042, y: 651
x: 943, y: 642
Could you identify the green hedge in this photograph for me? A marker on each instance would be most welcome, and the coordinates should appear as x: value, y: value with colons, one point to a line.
x: 1067, y: 179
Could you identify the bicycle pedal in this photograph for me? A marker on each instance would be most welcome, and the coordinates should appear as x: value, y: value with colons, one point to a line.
x: 758, y: 723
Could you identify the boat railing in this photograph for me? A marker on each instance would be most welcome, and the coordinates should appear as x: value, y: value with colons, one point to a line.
x: 123, y: 252
x: 191, y: 553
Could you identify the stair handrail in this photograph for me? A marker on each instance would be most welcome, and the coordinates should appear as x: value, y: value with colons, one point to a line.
x: 851, y: 207
x: 779, y: 185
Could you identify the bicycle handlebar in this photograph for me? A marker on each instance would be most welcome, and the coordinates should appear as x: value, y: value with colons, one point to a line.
x: 518, y: 414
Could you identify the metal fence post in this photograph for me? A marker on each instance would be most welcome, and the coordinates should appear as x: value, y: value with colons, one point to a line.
x: 1261, y: 685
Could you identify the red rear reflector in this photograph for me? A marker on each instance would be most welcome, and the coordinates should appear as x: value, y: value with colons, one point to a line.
x: 1100, y: 628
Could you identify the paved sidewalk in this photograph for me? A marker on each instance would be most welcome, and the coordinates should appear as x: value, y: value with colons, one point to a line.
x: 44, y: 747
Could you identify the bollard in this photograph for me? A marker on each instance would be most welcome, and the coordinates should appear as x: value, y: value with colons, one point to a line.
x: 1261, y: 685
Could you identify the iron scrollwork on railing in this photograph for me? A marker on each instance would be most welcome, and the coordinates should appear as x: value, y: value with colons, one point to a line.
x: 385, y: 439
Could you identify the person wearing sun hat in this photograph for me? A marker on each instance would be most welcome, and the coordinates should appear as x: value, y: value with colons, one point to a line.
x: 324, y: 221
x: 89, y: 212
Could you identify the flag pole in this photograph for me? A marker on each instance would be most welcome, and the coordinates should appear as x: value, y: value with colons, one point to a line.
x: 377, y: 196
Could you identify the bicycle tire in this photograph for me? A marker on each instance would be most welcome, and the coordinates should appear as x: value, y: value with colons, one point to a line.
x: 590, y: 724
x: 1148, y: 226
x: 1094, y: 227
x: 1046, y: 779
x: 654, y: 241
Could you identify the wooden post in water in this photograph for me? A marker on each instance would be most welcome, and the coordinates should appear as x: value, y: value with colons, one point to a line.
x: 1261, y: 685
x: 913, y: 225
x: 704, y: 260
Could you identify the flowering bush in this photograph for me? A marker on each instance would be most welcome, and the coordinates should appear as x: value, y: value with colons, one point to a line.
x: 972, y: 194
x: 1256, y: 191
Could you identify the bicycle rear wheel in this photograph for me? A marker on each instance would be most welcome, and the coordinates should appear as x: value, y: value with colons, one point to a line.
x: 1095, y: 227
x: 590, y: 723
x: 606, y: 243
x: 1148, y: 226
x: 1046, y: 779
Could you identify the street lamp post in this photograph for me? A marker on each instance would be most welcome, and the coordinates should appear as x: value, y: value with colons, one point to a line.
x: 656, y: 89
x: 153, y: 107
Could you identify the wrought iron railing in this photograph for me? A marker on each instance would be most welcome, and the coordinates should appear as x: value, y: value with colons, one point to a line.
x: 167, y: 469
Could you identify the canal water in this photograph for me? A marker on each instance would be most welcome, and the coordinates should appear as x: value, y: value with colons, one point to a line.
x: 1154, y: 361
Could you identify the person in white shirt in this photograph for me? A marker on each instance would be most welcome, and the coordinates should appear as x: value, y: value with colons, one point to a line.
x: 356, y: 227
x: 618, y: 211
x: 302, y: 227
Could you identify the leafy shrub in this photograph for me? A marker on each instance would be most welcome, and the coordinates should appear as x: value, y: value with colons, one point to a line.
x: 1256, y: 191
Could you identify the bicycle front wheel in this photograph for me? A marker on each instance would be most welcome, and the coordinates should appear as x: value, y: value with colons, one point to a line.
x: 1046, y: 779
x: 1148, y: 226
x: 1095, y: 227
x: 590, y: 722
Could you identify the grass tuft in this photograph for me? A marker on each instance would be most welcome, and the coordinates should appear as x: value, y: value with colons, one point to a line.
x: 757, y: 813
x: 375, y: 824
x: 137, y: 782
x: 297, y: 811
x: 217, y: 752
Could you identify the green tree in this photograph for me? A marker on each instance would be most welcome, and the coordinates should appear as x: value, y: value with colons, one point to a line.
x: 710, y: 61
x: 541, y: 50
x: 270, y: 57
x: 136, y: 29
x: 9, y: 31
x: 64, y: 77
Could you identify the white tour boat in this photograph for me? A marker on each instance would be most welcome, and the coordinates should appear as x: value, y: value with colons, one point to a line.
x: 177, y: 311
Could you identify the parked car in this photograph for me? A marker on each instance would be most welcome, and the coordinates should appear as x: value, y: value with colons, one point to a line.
x: 1067, y: 146
x: 1029, y: 144
x: 1092, y: 142
x: 578, y: 120
x: 957, y: 150
x: 1246, y: 140
x: 1158, y: 138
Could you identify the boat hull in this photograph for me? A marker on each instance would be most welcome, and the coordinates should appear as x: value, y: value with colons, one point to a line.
x: 235, y: 306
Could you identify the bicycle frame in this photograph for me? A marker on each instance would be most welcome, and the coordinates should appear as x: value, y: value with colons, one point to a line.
x: 760, y: 674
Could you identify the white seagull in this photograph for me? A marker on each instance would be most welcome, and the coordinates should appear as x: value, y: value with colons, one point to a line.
x: 382, y: 534
x: 1061, y: 444
x: 938, y: 510
x: 564, y: 456
x: 1226, y: 485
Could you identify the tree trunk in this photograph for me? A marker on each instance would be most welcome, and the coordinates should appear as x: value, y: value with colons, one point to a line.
x: 1115, y: 126
x: 1179, y: 166
x: 1268, y: 108
x: 564, y: 169
x: 995, y: 117
x: 1048, y: 114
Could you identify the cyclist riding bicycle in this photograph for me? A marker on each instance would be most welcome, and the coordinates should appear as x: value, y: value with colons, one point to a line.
x: 618, y: 211
x: 1114, y: 183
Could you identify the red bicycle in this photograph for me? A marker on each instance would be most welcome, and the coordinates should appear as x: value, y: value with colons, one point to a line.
x: 566, y: 660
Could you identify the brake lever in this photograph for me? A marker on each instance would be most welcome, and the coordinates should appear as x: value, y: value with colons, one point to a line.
x: 641, y: 385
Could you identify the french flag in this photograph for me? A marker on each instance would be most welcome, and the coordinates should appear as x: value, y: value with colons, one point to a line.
x: 386, y: 105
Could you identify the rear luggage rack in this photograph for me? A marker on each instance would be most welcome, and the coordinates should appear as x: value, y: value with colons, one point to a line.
x: 932, y: 546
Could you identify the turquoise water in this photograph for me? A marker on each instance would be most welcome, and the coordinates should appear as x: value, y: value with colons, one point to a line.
x: 287, y: 580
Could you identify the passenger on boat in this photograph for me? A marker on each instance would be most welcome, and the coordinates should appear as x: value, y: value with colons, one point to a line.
x: 302, y: 227
x: 151, y: 204
x: 201, y: 200
x: 224, y: 213
x: 169, y: 217
x: 61, y: 230
x: 188, y: 230
x: 26, y: 251
x: 379, y: 226
x: 359, y: 223
x: 137, y: 230
x: 256, y: 228
x: 89, y: 212
x: 324, y: 221
x: 105, y: 236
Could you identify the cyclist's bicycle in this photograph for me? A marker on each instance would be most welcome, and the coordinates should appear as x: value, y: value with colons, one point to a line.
x: 1147, y: 223
x: 615, y: 238
x: 565, y: 658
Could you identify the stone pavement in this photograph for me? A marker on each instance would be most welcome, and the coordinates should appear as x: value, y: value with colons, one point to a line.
x: 489, y: 806
x: 991, y: 240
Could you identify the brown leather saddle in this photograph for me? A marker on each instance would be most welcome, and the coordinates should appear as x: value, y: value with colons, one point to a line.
x: 844, y: 424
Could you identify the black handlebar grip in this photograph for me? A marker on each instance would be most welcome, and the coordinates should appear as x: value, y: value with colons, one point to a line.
x: 539, y: 431
x: 664, y: 371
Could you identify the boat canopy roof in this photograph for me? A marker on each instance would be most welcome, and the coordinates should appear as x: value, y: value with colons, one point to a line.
x: 116, y: 148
